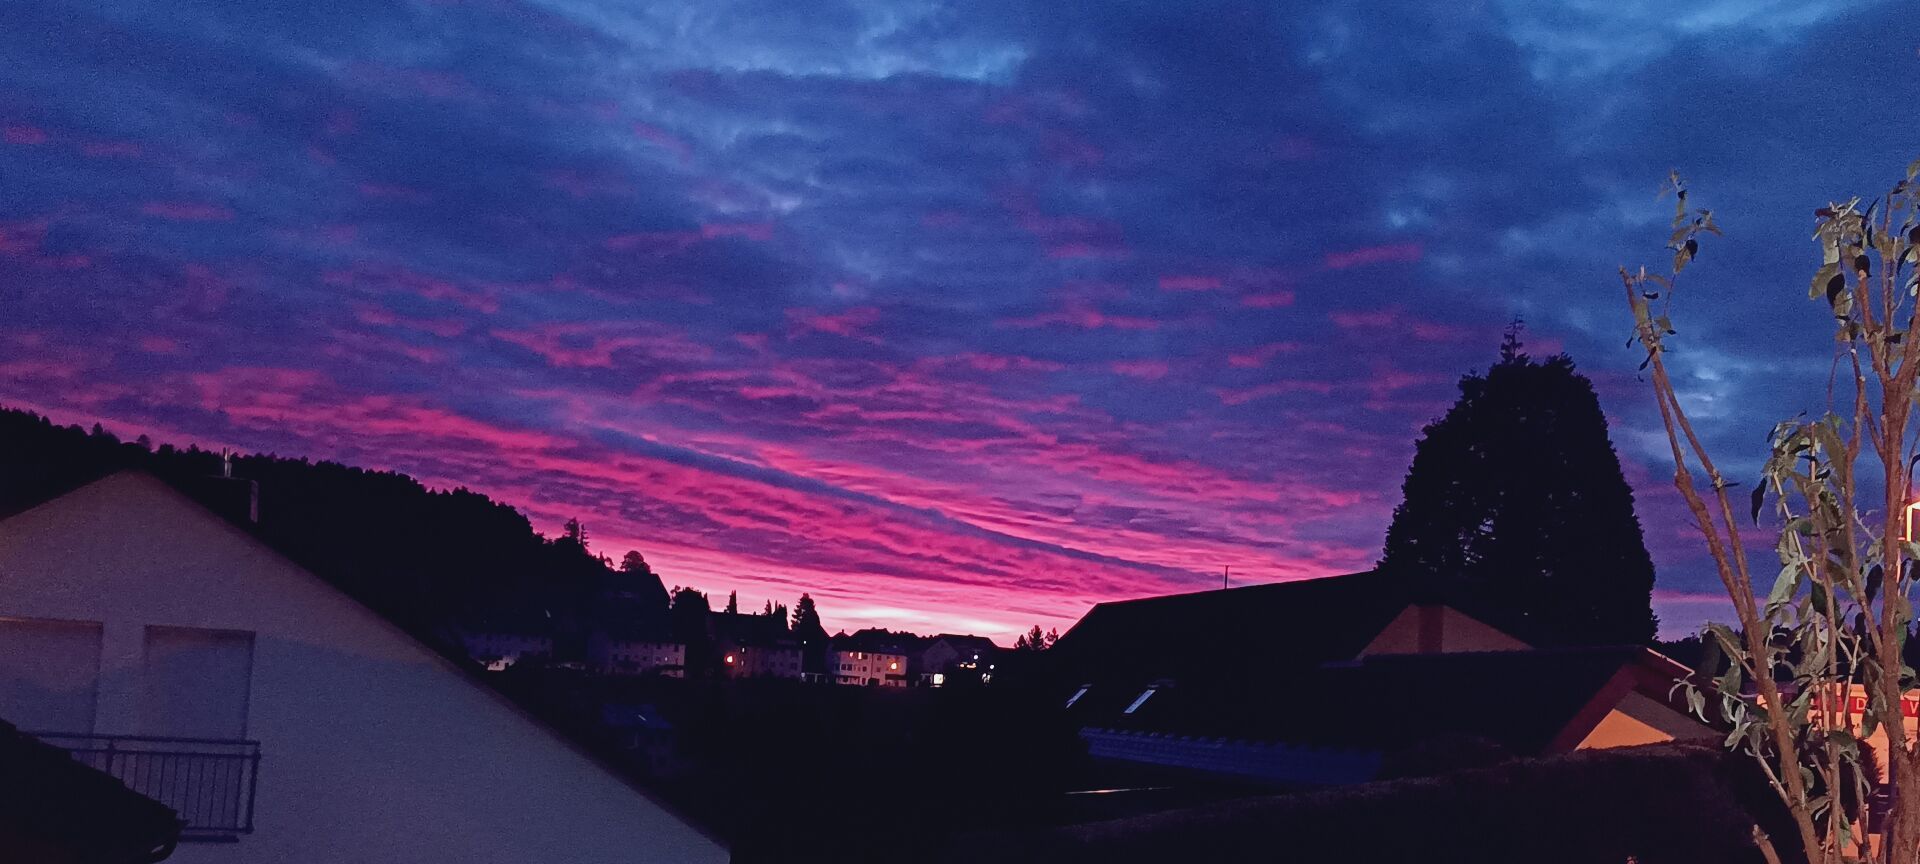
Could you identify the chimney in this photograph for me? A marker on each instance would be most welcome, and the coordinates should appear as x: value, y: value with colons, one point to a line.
x: 235, y: 498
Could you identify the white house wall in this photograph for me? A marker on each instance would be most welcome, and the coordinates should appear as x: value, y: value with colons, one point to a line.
x: 373, y: 748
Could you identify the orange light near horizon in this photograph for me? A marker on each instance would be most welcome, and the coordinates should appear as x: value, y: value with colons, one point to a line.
x: 729, y: 659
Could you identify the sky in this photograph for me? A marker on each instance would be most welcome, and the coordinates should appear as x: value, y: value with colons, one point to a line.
x: 960, y: 316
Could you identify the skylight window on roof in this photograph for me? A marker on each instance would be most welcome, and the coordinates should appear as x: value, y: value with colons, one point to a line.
x: 1077, y: 694
x: 1144, y: 696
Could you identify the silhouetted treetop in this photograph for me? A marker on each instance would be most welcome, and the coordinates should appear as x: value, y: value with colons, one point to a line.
x: 1516, y: 509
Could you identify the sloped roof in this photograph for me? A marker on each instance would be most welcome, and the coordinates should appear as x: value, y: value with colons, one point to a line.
x: 874, y: 640
x: 966, y: 642
x: 1229, y: 634
x: 1528, y: 702
x: 752, y: 629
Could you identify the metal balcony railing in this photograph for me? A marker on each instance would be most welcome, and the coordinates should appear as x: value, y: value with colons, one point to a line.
x: 209, y: 782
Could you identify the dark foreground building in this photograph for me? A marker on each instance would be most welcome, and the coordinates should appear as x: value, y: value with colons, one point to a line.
x: 1340, y: 680
x: 1651, y: 804
x: 54, y: 810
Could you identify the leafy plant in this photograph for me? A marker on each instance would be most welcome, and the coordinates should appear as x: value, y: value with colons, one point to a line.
x: 1815, y: 657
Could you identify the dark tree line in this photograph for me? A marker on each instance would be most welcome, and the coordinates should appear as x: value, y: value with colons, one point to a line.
x: 419, y: 556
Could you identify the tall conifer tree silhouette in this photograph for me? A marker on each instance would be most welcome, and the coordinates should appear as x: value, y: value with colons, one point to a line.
x: 1517, y: 512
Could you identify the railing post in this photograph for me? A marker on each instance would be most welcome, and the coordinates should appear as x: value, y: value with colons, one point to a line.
x: 253, y: 784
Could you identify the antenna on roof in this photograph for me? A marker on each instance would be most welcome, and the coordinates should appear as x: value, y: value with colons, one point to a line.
x: 1223, y: 576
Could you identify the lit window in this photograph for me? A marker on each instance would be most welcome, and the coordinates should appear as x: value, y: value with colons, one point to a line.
x: 1144, y: 696
x: 1077, y: 694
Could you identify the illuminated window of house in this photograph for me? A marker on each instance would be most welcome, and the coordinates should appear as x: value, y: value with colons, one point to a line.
x: 1077, y: 694
x: 1144, y: 696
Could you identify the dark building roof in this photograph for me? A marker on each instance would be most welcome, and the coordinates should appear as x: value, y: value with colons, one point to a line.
x: 1659, y: 803
x: 55, y: 809
x: 632, y: 625
x: 1527, y: 702
x: 967, y: 642
x: 1230, y: 634
x: 754, y: 630
x: 874, y: 640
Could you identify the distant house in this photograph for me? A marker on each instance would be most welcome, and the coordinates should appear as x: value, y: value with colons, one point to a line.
x: 948, y: 659
x: 1335, y: 680
x: 613, y: 653
x: 177, y: 652
x: 870, y: 669
x: 755, y: 646
x: 760, y: 661
x: 873, y: 658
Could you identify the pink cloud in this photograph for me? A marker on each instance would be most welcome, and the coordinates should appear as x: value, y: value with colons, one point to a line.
x: 1392, y: 252
x: 483, y: 299
x: 1002, y: 363
x: 445, y: 328
x: 1397, y: 319
x: 601, y: 344
x: 1066, y: 236
x: 1070, y: 503
x: 161, y: 345
x: 22, y: 134
x: 24, y: 241
x: 1081, y: 314
x: 1268, y: 300
x: 21, y: 238
x: 851, y: 323
x: 664, y: 140
x: 1260, y: 356
x: 1146, y: 370
x: 1068, y: 148
x: 1243, y: 395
